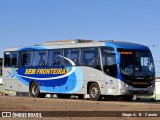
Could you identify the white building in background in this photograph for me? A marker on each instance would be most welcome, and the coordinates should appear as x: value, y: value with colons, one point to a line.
x: 1, y: 82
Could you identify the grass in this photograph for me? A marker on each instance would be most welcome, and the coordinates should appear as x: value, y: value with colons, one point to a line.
x: 6, y: 91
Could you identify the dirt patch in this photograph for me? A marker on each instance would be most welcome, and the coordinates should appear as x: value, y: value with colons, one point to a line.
x: 10, y: 103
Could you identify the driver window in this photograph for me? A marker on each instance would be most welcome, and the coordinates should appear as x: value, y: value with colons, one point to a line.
x: 109, y: 61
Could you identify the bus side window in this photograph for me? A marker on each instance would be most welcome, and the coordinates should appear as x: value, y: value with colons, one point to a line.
x: 14, y: 59
x: 25, y: 59
x: 89, y: 56
x: 67, y: 55
x: 75, y: 56
x: 58, y: 58
x: 109, y: 61
x: 51, y: 58
x: 55, y: 58
x: 42, y: 58
x: 7, y: 59
x: 72, y: 54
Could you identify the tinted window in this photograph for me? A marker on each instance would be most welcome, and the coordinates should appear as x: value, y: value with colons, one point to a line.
x: 109, y: 61
x: 89, y: 56
x: 72, y: 54
x: 40, y: 58
x: 11, y: 59
x: 55, y: 58
x: 25, y: 59
x: 7, y: 59
x: 14, y: 59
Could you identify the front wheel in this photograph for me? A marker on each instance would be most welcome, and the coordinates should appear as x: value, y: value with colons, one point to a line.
x: 94, y: 92
x: 35, y: 91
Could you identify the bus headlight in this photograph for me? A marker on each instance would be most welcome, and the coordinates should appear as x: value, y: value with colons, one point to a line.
x: 124, y: 84
x: 153, y: 85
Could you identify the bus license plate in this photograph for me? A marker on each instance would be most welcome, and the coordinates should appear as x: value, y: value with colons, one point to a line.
x: 140, y: 83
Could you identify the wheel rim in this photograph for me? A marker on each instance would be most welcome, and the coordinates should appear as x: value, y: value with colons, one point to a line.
x: 35, y: 90
x: 94, y: 92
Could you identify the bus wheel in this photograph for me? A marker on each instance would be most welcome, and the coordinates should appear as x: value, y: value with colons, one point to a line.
x: 35, y: 91
x: 127, y: 97
x: 63, y: 95
x: 94, y: 92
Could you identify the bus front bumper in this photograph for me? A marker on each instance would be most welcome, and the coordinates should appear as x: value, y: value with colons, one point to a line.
x: 137, y: 91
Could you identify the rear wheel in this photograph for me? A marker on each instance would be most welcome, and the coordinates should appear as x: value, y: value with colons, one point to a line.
x: 94, y: 92
x: 35, y: 91
x: 63, y: 95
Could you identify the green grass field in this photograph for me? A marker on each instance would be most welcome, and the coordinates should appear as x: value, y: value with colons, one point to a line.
x: 6, y: 91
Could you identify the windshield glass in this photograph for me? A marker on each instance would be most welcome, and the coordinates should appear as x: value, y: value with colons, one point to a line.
x: 136, y: 63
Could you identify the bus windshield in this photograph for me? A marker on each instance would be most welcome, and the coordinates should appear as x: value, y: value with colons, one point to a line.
x: 136, y: 63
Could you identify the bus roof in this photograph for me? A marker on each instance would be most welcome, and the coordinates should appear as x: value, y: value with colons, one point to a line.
x: 126, y: 45
x: 79, y: 43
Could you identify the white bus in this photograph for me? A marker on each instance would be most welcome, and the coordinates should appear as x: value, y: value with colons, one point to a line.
x: 79, y: 67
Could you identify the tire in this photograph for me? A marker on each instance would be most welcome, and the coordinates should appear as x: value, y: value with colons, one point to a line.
x: 63, y: 95
x: 35, y: 91
x: 94, y: 92
x: 127, y: 97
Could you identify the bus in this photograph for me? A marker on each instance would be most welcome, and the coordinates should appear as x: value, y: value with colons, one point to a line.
x: 80, y: 67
